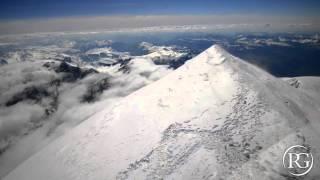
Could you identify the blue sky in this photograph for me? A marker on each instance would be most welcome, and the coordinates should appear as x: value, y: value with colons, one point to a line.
x: 30, y: 16
x: 18, y: 9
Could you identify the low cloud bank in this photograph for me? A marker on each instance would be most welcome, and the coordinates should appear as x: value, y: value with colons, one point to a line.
x: 44, y: 94
x: 116, y: 23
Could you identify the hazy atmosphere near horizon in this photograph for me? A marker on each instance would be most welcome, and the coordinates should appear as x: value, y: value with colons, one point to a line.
x: 170, y: 89
x: 50, y: 16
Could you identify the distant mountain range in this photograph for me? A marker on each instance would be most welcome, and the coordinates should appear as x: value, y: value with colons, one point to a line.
x: 215, y: 117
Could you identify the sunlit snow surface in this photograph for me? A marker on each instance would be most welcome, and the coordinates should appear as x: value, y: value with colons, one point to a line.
x: 45, y: 92
x: 216, y: 117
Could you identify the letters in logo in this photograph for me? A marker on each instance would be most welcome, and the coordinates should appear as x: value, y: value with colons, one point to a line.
x: 298, y: 160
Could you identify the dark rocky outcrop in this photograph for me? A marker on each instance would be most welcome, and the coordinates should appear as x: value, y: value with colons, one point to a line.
x: 3, y: 62
x: 294, y: 82
x: 177, y: 63
x: 33, y: 93
x: 96, y: 89
x: 72, y: 73
x: 67, y: 59
x: 124, y: 66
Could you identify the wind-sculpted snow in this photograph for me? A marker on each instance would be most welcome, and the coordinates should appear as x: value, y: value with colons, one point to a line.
x: 308, y: 84
x: 216, y: 117
x: 45, y: 93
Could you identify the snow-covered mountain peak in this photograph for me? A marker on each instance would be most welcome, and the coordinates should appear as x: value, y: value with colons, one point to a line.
x: 216, y: 117
x: 165, y: 54
x: 215, y: 55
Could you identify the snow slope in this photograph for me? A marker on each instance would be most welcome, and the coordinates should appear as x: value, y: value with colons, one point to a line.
x: 308, y: 84
x: 216, y: 117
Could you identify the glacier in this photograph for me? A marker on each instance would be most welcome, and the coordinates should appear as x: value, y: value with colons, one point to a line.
x: 215, y: 117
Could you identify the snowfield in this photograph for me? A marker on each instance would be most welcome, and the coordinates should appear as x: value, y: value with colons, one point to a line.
x: 42, y: 98
x: 308, y: 84
x: 215, y: 117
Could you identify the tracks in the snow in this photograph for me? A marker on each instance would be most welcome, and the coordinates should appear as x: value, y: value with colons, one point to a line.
x: 231, y: 141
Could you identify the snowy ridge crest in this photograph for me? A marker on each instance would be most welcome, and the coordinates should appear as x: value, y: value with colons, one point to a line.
x: 216, y: 117
x: 215, y: 55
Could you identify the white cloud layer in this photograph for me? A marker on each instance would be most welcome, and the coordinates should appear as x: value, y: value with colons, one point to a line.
x: 110, y: 23
x: 38, y: 117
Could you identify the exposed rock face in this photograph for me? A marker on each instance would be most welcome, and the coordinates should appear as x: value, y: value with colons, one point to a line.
x: 215, y: 117
x: 179, y: 62
x: 30, y: 93
x: 67, y: 59
x: 294, y: 82
x: 307, y: 84
x: 3, y: 62
x: 95, y: 89
x: 72, y: 73
x: 124, y: 67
